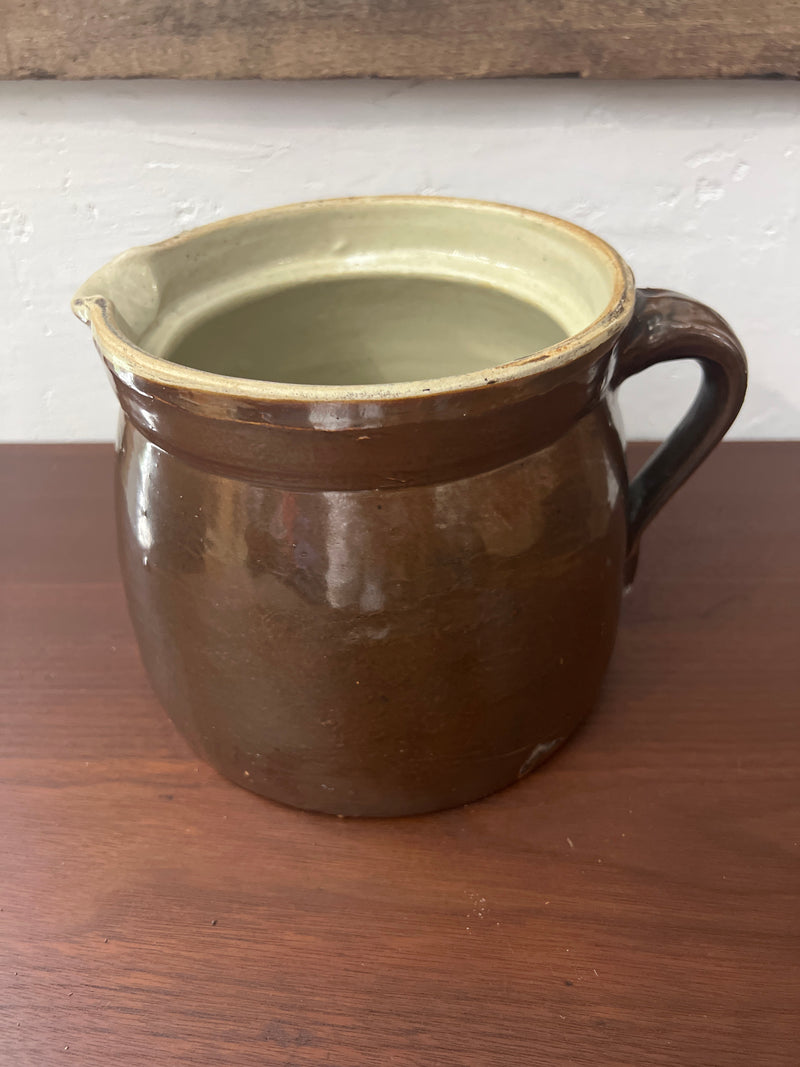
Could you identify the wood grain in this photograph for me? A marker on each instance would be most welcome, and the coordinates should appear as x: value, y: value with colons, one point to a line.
x: 635, y: 901
x: 402, y: 39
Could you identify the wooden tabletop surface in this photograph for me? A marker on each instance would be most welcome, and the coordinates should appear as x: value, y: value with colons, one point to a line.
x: 633, y: 902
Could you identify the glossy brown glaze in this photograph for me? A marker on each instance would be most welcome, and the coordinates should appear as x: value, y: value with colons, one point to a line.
x: 391, y: 607
x: 381, y: 651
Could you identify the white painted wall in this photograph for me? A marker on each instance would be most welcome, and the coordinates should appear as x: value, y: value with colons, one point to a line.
x: 697, y: 184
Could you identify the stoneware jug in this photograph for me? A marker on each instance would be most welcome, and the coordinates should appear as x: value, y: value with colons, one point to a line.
x: 374, y: 517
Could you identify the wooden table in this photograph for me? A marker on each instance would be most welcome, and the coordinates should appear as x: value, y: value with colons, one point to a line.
x: 633, y: 902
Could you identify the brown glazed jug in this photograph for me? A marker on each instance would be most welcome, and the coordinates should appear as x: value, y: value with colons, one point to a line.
x: 374, y: 516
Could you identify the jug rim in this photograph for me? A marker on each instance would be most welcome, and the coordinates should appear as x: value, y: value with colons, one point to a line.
x: 130, y: 363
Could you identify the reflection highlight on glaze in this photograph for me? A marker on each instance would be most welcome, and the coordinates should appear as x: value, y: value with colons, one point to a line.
x: 350, y: 556
x: 140, y: 479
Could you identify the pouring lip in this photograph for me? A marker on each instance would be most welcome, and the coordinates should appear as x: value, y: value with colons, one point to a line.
x: 133, y: 365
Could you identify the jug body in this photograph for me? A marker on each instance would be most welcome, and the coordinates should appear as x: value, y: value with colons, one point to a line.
x: 382, y: 651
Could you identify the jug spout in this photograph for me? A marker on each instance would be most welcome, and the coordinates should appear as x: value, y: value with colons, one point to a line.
x: 124, y: 291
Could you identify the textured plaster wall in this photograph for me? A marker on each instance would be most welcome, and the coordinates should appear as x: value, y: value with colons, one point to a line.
x: 697, y: 184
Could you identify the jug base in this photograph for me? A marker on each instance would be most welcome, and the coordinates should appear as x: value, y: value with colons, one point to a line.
x: 375, y: 806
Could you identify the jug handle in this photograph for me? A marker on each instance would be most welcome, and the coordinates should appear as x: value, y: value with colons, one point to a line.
x: 667, y: 326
